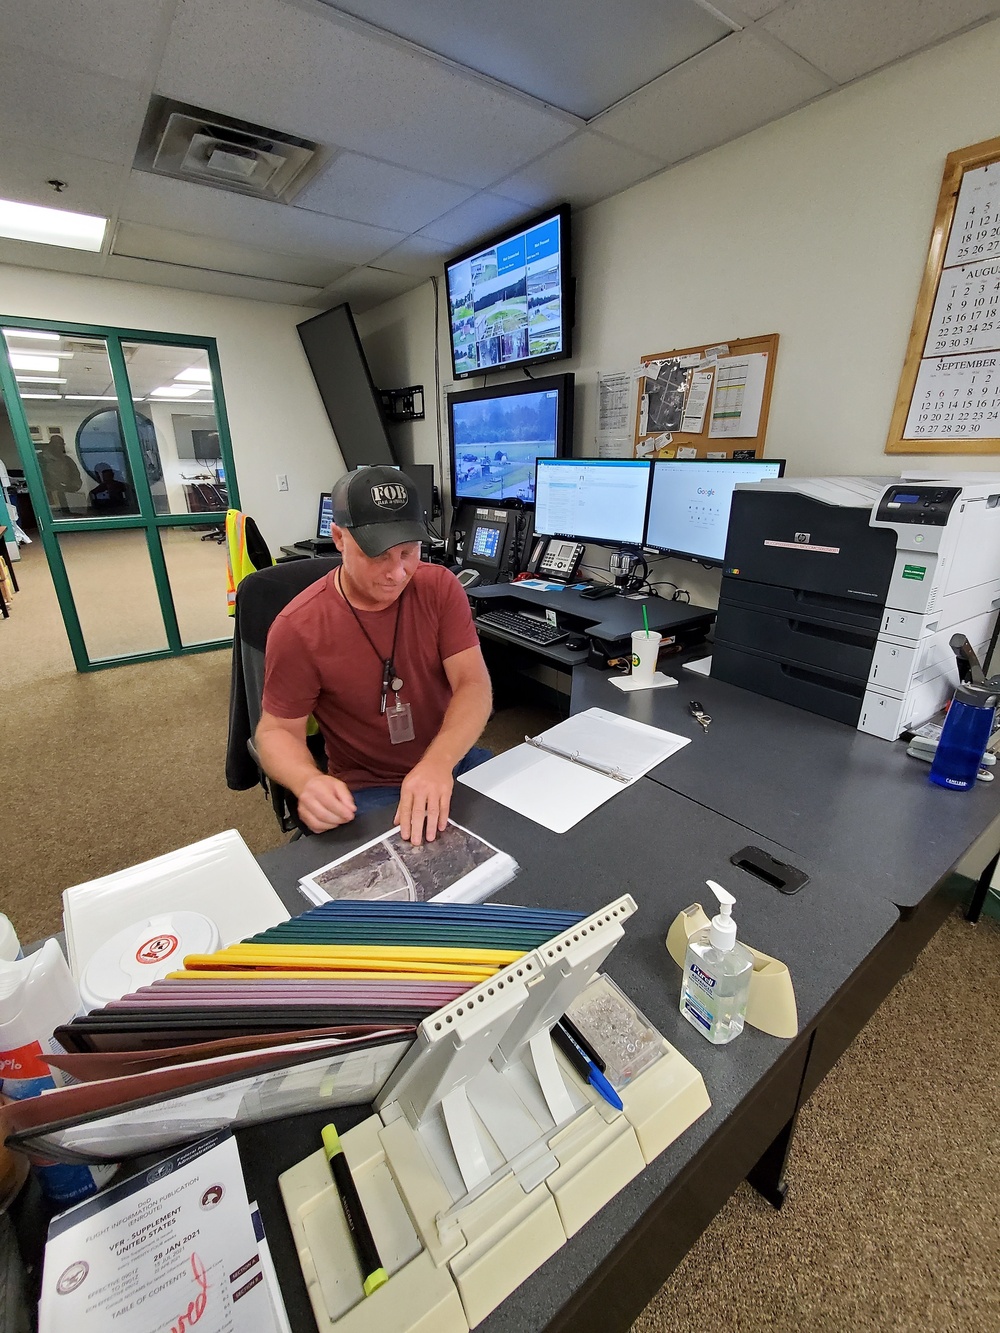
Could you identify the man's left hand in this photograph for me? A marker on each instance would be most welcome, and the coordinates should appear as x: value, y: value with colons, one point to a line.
x: 424, y: 799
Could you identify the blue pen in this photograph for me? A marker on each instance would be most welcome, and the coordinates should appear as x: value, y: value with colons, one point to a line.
x: 585, y: 1067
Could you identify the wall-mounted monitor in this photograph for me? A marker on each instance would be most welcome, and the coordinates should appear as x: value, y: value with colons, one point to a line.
x: 592, y: 499
x: 510, y: 300
x: 497, y: 435
x: 337, y: 360
x: 690, y: 500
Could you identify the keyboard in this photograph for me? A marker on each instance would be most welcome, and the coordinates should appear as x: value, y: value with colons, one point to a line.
x: 522, y: 627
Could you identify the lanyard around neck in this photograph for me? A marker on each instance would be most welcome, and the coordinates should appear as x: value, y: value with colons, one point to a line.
x: 389, y: 677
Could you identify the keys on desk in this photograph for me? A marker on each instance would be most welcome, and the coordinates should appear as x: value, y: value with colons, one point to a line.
x: 699, y: 714
x: 529, y: 628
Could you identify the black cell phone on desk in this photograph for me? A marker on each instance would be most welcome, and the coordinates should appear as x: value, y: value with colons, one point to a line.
x: 599, y: 590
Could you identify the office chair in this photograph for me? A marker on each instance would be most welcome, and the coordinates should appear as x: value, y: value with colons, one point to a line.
x: 259, y: 598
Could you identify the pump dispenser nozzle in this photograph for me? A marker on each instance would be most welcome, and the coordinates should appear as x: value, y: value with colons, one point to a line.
x: 722, y: 931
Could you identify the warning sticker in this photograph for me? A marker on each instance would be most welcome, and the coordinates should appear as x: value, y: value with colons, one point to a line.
x: 914, y: 572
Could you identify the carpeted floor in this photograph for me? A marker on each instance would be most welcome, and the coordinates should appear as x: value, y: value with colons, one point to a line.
x: 893, y: 1216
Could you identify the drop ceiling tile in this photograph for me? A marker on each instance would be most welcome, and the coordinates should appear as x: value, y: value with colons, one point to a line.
x: 138, y: 241
x: 417, y: 256
x: 202, y: 280
x: 91, y: 186
x: 741, y: 10
x: 307, y: 72
x: 474, y: 219
x: 848, y: 38
x: 581, y: 57
x: 365, y: 190
x: 116, y: 37
x: 55, y: 106
x: 734, y: 87
x: 587, y: 168
x: 218, y: 214
x: 26, y: 254
x: 364, y: 289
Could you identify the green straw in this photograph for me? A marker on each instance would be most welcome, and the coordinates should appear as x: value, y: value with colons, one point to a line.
x: 645, y: 619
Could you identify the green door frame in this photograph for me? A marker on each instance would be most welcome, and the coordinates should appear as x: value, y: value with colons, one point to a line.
x: 147, y: 519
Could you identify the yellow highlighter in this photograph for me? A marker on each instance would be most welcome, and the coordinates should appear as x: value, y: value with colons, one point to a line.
x: 373, y: 1275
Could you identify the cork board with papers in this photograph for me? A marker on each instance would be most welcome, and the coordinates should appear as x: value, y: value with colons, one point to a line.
x: 710, y: 401
x: 948, y: 401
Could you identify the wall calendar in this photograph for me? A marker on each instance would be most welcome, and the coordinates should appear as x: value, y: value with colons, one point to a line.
x: 949, y: 393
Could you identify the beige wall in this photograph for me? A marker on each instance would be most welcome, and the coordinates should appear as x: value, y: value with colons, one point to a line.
x: 815, y: 227
x: 275, y: 413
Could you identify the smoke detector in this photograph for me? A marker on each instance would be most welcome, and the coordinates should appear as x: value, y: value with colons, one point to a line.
x: 192, y: 143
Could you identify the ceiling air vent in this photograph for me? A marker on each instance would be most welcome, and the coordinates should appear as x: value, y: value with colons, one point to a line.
x: 191, y: 143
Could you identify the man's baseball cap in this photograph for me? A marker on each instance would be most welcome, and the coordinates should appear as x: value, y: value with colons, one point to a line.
x: 380, y: 508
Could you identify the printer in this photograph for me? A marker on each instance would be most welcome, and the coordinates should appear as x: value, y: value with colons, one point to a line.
x: 840, y: 594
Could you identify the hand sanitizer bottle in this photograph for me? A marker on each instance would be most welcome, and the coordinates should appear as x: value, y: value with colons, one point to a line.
x: 717, y: 974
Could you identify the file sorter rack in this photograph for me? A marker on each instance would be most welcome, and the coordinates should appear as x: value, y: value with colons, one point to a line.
x: 487, y: 1150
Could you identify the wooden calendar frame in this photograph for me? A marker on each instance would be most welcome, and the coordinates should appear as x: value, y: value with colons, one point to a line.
x: 702, y: 441
x: 956, y: 165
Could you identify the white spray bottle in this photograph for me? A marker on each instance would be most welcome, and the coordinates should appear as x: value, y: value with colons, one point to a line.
x: 717, y: 974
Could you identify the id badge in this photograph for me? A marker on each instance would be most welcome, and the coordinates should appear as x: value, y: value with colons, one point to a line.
x: 400, y: 722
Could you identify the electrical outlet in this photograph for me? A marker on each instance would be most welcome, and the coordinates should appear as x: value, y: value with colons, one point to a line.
x: 282, y: 481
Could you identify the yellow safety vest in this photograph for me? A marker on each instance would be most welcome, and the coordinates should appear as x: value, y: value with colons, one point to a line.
x: 238, y: 563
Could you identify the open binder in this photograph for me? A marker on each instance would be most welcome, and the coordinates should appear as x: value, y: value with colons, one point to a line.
x: 488, y: 1151
x: 564, y: 774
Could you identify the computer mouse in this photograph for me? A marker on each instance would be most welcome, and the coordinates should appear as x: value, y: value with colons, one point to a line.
x: 575, y: 642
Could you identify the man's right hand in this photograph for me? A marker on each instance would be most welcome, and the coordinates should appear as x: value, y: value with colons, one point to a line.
x: 325, y: 802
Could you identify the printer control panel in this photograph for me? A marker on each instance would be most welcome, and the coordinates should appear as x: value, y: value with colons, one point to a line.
x: 929, y: 506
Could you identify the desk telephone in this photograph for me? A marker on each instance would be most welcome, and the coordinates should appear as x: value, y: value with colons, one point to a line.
x: 556, y: 560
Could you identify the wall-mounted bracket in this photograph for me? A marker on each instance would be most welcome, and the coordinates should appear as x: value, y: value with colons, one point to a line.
x: 403, y: 404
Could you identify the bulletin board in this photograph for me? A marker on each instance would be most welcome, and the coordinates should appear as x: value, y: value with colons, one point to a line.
x: 948, y: 400
x: 707, y: 401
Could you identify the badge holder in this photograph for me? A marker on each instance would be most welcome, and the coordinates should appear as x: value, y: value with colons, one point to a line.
x: 488, y: 1150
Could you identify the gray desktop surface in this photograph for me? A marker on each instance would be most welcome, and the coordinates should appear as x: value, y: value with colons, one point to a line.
x: 660, y: 847
x: 824, y: 791
x: 610, y: 617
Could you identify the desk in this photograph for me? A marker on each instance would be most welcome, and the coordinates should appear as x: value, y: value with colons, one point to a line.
x: 853, y: 812
x: 844, y: 941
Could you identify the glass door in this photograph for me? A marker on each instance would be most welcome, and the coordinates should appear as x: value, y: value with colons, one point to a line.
x: 126, y: 452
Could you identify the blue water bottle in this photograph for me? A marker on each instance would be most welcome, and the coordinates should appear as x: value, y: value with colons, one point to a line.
x: 966, y: 730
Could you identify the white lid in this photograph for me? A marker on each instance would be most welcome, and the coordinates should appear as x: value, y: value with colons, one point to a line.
x: 722, y: 930
x: 143, y: 953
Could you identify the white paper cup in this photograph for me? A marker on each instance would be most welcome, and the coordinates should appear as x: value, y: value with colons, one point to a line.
x: 645, y: 648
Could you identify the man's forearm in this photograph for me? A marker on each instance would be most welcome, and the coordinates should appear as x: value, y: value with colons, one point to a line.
x: 463, y: 724
x: 286, y: 759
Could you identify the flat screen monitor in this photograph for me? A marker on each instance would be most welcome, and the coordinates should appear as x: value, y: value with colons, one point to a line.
x: 510, y: 299
x: 690, y: 501
x: 592, y: 499
x: 337, y: 360
x: 422, y: 475
x: 497, y: 435
x: 324, y: 518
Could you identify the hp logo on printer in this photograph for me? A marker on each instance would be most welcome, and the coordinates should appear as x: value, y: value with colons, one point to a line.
x: 803, y: 538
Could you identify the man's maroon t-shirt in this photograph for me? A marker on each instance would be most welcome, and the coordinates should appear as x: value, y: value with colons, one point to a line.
x: 319, y: 661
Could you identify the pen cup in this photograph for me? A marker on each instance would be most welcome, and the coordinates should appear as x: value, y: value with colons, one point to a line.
x: 645, y: 649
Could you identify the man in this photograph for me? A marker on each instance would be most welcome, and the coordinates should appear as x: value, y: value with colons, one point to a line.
x: 384, y: 654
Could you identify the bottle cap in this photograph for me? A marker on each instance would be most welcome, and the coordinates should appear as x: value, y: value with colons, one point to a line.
x: 722, y: 930
x: 976, y: 696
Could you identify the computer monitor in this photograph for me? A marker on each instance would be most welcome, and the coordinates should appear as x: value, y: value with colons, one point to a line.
x: 592, y: 499
x: 497, y: 435
x: 422, y: 475
x: 325, y: 516
x: 510, y: 298
x: 690, y: 500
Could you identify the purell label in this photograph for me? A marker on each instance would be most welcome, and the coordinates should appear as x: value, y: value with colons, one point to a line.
x: 701, y: 979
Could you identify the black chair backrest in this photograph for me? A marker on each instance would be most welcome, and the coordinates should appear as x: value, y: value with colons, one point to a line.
x: 260, y: 598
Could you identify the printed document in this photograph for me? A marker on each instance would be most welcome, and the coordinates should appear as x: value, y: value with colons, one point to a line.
x: 173, y: 1247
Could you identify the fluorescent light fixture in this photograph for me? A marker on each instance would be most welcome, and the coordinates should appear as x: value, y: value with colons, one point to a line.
x: 195, y: 373
x: 32, y: 333
x: 40, y: 379
x: 41, y: 395
x: 175, y: 391
x: 91, y: 398
x: 28, y: 361
x: 51, y: 226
